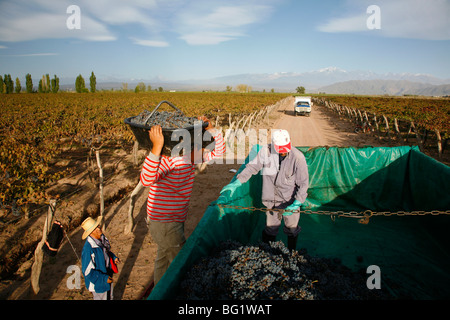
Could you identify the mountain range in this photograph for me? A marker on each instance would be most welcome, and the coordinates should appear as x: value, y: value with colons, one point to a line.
x: 336, y: 80
x: 327, y: 80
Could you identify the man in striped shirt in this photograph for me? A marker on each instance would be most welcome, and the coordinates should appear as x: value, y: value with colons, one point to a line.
x: 170, y: 181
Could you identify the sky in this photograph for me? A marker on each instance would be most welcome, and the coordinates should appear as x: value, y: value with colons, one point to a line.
x: 202, y: 39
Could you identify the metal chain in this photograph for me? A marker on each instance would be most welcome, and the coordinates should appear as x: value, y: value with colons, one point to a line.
x: 364, y: 216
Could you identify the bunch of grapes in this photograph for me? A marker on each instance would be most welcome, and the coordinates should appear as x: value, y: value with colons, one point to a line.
x: 270, y: 271
x: 167, y: 120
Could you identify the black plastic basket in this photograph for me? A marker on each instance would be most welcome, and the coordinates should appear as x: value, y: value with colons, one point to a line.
x: 173, y: 138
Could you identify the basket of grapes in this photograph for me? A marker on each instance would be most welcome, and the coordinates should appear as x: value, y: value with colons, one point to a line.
x: 181, y: 133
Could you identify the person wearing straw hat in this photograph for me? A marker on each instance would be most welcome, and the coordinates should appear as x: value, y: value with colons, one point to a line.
x: 285, y: 181
x: 96, y: 263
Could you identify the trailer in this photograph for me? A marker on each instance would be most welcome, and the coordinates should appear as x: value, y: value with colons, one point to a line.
x: 401, y: 193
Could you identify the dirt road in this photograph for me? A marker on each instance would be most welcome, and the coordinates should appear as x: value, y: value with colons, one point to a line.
x: 321, y: 128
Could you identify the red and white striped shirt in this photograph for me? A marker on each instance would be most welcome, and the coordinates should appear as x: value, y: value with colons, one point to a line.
x: 171, y: 180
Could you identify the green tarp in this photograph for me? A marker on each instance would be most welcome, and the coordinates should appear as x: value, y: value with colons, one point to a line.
x: 412, y: 252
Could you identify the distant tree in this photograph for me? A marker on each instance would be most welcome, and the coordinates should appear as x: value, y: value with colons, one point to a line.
x: 80, y: 84
x: 55, y: 84
x: 18, y: 86
x: 136, y: 90
x: 242, y: 88
x: 272, y: 90
x: 149, y: 88
x: 48, y: 83
x: 300, y: 90
x: 2, y: 84
x: 125, y: 86
x: 29, y: 83
x: 141, y: 86
x: 44, y: 84
x: 8, y: 84
x: 229, y: 88
x: 93, y: 82
x: 160, y: 89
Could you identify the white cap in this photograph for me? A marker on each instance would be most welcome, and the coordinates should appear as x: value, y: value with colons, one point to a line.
x: 281, y: 141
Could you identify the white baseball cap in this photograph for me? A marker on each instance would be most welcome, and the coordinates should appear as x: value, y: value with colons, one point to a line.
x: 281, y: 141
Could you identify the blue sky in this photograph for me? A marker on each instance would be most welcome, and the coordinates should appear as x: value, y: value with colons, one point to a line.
x: 200, y: 39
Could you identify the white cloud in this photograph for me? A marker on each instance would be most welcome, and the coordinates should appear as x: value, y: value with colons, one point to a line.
x: 220, y: 23
x: 350, y: 24
x: 119, y: 12
x: 150, y: 43
x: 196, y: 22
x: 208, y: 38
x: 226, y: 17
x: 28, y: 20
x: 416, y: 19
x: 36, y: 54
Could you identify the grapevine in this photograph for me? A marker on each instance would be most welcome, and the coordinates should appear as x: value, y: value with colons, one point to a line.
x: 35, y: 128
x: 430, y: 113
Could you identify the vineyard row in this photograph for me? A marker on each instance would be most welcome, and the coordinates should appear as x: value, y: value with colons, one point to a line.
x: 388, y: 125
x: 71, y: 216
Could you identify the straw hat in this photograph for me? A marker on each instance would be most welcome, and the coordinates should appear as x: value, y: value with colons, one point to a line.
x: 89, y: 225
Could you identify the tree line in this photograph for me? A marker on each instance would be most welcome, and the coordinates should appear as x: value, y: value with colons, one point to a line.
x: 46, y: 85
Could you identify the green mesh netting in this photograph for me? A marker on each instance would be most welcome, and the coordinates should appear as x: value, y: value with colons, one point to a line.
x: 413, y: 252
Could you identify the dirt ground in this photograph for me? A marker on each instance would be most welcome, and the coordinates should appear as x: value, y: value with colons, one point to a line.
x: 136, y: 250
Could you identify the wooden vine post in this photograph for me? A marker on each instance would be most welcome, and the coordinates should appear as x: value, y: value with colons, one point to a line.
x: 130, y: 224
x: 102, y: 201
x: 135, y: 152
x: 387, y: 127
x: 416, y: 132
x: 397, y: 130
x: 38, y: 253
x: 439, y: 142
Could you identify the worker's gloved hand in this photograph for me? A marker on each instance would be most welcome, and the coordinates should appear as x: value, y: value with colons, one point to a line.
x: 293, y: 207
x: 231, y: 187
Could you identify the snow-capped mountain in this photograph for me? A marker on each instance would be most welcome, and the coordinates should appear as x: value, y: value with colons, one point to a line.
x: 317, y: 79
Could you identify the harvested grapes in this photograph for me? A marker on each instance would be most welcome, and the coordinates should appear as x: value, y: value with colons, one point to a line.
x: 167, y: 120
x: 270, y: 271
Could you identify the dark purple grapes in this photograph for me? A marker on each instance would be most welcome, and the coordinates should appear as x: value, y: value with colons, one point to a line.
x: 270, y: 271
x: 167, y: 120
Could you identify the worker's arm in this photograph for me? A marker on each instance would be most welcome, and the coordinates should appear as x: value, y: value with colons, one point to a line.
x: 254, y: 166
x: 155, y: 168
x: 219, y: 148
x: 301, y: 179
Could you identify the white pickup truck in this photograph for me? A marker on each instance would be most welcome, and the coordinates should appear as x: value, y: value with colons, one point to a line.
x: 302, y: 105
